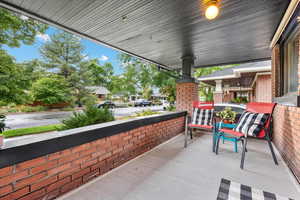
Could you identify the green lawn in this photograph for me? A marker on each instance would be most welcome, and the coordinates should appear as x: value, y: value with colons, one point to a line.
x: 31, y: 130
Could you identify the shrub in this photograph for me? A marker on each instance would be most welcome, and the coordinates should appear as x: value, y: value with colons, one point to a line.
x: 3, y: 103
x: 32, y: 108
x: 240, y: 100
x: 171, y: 108
x: 91, y: 115
x: 67, y: 109
x: 90, y: 100
x: 12, y: 109
x: 51, y: 90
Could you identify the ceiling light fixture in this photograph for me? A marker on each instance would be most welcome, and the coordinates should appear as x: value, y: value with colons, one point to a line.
x: 212, y: 10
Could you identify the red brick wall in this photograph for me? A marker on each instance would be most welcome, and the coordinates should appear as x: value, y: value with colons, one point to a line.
x: 228, y: 97
x: 263, y: 89
x: 286, y: 136
x: 55, y: 174
x: 186, y: 94
x: 275, y: 71
x: 218, y: 97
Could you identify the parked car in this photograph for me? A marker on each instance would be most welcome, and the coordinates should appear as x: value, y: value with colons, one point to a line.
x: 107, y: 104
x: 142, y: 102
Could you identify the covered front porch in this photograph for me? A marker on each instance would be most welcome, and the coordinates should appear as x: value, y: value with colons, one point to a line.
x: 172, y: 172
x: 122, y: 159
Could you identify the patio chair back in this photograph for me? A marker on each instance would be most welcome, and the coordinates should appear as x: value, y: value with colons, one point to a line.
x: 260, y: 107
x: 209, y: 105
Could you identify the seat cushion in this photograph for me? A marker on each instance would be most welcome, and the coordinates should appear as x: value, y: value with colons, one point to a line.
x: 231, y: 132
x: 202, y: 116
x: 251, y: 123
x: 200, y: 126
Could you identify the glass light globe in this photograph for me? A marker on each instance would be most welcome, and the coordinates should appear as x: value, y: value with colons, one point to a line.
x: 211, y: 12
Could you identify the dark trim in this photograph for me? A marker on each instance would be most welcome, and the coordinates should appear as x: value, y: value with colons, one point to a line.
x: 230, y: 63
x: 19, y: 9
x: 290, y: 27
x: 23, y: 153
x: 298, y: 101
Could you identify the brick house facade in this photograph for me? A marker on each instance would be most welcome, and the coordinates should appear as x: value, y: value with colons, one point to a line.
x: 286, y: 130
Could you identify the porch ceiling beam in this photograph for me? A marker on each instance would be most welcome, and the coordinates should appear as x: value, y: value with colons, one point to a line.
x: 232, y: 63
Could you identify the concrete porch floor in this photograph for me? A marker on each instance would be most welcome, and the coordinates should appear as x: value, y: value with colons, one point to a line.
x: 172, y: 172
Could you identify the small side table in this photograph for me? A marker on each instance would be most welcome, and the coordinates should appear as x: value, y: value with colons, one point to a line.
x: 224, y: 136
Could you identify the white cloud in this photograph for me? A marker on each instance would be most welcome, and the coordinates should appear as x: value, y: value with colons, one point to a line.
x: 43, y: 37
x: 86, y: 57
x: 23, y: 17
x: 79, y: 38
x: 103, y: 58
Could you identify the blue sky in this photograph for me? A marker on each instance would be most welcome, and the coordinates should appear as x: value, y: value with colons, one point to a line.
x: 92, y: 50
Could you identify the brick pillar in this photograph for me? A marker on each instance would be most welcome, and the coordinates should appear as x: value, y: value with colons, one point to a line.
x: 186, y: 94
x: 218, y: 97
x: 276, y: 71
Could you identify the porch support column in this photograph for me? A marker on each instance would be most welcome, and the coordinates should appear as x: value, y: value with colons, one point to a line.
x: 218, y: 94
x: 187, y: 87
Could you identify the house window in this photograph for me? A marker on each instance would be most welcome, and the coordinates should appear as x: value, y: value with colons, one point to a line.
x: 291, y: 60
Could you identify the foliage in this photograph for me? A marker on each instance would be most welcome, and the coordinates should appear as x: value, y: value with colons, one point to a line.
x: 90, y: 100
x: 51, y: 90
x: 15, y: 30
x: 12, y: 80
x: 62, y: 53
x: 240, y: 100
x: 142, y: 77
x: 32, y: 108
x: 206, y: 92
x: 145, y: 113
x: 69, y: 108
x: 91, y: 115
x: 31, y: 130
x: 171, y: 107
x: 227, y: 114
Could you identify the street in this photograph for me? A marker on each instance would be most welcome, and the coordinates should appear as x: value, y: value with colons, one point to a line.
x: 46, y: 118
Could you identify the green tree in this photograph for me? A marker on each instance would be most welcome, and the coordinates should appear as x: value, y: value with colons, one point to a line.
x: 12, y: 80
x: 99, y: 74
x: 63, y: 53
x: 144, y: 77
x: 51, y: 90
x: 15, y: 29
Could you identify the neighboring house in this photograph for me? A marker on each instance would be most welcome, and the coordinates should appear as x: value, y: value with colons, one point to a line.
x: 99, y: 91
x: 250, y: 80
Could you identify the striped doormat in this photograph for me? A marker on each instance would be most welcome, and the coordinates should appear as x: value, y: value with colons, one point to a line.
x: 230, y: 190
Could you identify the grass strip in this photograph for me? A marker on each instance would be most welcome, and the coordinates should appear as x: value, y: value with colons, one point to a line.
x: 31, y: 130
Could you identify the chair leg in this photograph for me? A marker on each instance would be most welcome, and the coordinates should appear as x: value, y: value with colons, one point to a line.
x: 243, y: 153
x: 272, y: 151
x: 246, y: 150
x: 191, y: 133
x: 214, y: 141
x: 235, y: 145
x: 186, y: 135
x: 217, y: 144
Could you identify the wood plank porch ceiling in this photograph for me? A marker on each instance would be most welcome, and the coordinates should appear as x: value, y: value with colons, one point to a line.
x: 162, y: 31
